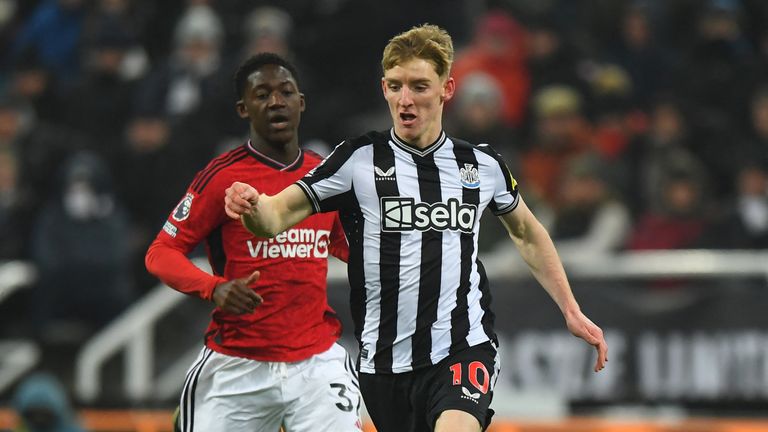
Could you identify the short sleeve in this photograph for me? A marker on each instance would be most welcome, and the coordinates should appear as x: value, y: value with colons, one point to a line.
x: 505, y: 194
x: 330, y: 180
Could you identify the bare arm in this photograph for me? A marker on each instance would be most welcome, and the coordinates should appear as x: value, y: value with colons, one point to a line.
x: 538, y: 251
x: 264, y: 215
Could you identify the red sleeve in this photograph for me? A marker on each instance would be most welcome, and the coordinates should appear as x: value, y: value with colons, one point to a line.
x: 176, y: 270
x: 198, y: 213
x: 339, y: 244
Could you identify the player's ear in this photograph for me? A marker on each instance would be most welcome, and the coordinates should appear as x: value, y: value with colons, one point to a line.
x: 241, y: 109
x: 383, y: 86
x: 449, y: 88
x: 303, y: 103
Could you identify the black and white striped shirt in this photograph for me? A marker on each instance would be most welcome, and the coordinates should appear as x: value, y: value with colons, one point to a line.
x: 412, y: 218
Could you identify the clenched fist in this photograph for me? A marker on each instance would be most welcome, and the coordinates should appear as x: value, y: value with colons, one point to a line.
x: 239, y: 199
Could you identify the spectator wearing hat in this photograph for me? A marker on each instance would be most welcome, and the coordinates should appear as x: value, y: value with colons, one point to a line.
x: 561, y: 132
x: 616, y: 117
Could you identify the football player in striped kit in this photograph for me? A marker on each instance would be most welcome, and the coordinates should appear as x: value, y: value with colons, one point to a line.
x: 410, y: 200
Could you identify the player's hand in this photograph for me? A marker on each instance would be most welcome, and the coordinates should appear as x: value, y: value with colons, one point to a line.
x: 583, y: 327
x: 239, y: 199
x: 236, y: 296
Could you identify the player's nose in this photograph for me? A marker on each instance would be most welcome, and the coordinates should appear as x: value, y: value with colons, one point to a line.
x: 406, y: 97
x: 276, y: 99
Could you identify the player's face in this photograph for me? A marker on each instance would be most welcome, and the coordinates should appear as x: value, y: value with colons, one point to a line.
x: 273, y: 104
x: 415, y: 95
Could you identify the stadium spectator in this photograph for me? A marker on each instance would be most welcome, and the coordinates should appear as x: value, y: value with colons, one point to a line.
x: 552, y: 59
x: 181, y: 84
x: 12, y: 215
x: 561, y: 132
x: 37, y: 149
x: 150, y: 145
x: 31, y: 81
x: 53, y: 32
x: 648, y: 155
x: 42, y: 405
x: 756, y: 146
x: 639, y: 51
x: 9, y: 23
x: 499, y: 51
x: 679, y: 217
x: 713, y: 80
x: 616, y: 118
x: 100, y: 103
x: 589, y: 218
x: 744, y: 223
x: 80, y: 248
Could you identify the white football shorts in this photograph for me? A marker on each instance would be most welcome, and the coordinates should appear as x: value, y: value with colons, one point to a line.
x: 233, y: 394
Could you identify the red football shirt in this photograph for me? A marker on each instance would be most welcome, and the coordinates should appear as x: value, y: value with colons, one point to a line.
x: 295, y: 321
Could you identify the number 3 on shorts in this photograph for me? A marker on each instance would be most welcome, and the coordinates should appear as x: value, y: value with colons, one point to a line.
x: 347, y: 405
x: 473, y: 372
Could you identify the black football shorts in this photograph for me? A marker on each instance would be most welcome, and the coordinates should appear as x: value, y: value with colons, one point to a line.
x: 412, y: 401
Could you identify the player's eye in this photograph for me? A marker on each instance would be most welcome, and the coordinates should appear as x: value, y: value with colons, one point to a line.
x: 262, y: 95
x: 394, y: 87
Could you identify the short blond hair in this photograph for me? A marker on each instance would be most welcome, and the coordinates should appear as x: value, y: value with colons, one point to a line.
x: 427, y: 42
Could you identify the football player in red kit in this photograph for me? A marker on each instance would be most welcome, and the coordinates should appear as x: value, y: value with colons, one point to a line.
x: 270, y: 358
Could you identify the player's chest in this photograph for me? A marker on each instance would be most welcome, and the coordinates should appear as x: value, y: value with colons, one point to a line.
x: 267, y: 180
x: 429, y: 180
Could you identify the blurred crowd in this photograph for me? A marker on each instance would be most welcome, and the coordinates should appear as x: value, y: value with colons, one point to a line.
x: 629, y: 124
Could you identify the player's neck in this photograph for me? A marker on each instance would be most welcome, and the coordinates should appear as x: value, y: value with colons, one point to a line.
x: 420, y: 142
x: 284, y: 153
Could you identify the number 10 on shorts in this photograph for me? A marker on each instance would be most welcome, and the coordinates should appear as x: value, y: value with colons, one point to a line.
x: 474, y: 370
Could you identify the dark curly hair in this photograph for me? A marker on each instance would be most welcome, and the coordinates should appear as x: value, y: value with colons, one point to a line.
x: 255, y: 63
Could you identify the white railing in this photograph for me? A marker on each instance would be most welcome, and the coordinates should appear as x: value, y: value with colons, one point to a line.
x: 17, y: 356
x: 15, y: 275
x: 642, y: 264
x: 133, y: 330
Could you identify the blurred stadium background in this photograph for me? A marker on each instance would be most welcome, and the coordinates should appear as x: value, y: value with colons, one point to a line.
x: 637, y: 129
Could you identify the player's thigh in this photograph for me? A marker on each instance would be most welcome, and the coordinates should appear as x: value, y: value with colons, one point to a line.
x: 388, y: 400
x: 456, y: 421
x: 464, y: 381
x: 232, y: 394
x: 325, y: 395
